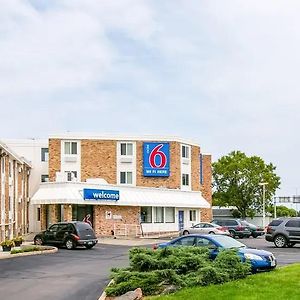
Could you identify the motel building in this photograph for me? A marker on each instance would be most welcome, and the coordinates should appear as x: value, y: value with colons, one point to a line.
x: 128, y: 185
x: 14, y: 193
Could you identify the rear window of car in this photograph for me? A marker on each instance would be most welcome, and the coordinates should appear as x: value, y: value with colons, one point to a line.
x: 275, y: 222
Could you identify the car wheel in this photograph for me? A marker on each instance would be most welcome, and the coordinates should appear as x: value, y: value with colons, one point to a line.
x: 185, y: 232
x: 254, y: 235
x: 38, y: 241
x: 232, y: 233
x: 70, y: 244
x: 89, y: 246
x: 211, y: 232
x: 291, y: 244
x: 280, y: 241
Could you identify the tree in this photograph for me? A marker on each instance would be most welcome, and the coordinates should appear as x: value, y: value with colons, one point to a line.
x: 283, y: 211
x: 236, y: 179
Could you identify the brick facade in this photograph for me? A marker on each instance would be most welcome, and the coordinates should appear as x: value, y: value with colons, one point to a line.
x: 54, y: 158
x: 14, y: 193
x: 206, y: 188
x: 104, y: 226
x: 99, y: 160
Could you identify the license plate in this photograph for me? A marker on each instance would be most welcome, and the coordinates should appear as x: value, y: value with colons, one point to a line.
x: 272, y: 260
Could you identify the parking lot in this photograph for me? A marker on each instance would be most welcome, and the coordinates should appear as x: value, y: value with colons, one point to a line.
x: 82, y: 274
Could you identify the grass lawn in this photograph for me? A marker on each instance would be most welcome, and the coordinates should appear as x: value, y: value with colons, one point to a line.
x: 283, y: 283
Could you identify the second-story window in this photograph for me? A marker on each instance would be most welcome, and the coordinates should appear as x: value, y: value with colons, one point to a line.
x: 44, y: 154
x: 126, y: 177
x: 185, y: 151
x: 70, y: 147
x: 126, y: 149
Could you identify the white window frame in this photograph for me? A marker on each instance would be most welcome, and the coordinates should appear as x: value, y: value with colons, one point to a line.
x: 192, y: 215
x: 126, y: 177
x: 166, y: 216
x: 126, y: 149
x: 71, y: 148
x: 155, y: 215
x: 185, y: 179
x: 71, y: 175
x: 185, y: 151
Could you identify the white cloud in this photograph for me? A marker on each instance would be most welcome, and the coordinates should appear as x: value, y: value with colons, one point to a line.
x: 223, y: 72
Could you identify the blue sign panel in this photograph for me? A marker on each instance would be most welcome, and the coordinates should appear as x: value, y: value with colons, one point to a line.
x: 156, y: 159
x: 93, y: 194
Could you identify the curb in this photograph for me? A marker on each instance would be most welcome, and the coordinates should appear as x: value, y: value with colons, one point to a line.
x: 103, y: 295
x: 53, y: 250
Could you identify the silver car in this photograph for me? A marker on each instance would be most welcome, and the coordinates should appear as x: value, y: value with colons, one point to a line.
x: 205, y: 228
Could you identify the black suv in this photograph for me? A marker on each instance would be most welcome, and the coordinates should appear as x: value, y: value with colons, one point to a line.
x: 284, y: 232
x: 69, y: 234
x: 235, y: 227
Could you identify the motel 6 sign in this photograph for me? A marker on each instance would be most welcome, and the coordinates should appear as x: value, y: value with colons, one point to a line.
x: 156, y: 159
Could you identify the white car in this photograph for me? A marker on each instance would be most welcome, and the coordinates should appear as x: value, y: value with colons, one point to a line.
x: 205, y: 228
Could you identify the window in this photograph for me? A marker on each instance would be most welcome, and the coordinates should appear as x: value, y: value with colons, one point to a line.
x: 275, y: 222
x: 53, y: 228
x: 185, y: 179
x: 170, y: 214
x: 159, y: 214
x: 44, y: 178
x: 146, y: 214
x: 293, y: 223
x: 9, y: 169
x: 38, y: 214
x: 44, y: 154
x: 192, y: 215
x: 202, y: 242
x: 185, y: 151
x: 126, y: 149
x: 71, y: 175
x: 185, y: 241
x: 230, y: 223
x: 126, y: 177
x: 70, y: 147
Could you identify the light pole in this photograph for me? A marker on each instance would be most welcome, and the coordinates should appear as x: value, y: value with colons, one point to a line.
x: 263, y: 184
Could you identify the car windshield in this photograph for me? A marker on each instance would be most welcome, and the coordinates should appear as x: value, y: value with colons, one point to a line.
x: 228, y: 242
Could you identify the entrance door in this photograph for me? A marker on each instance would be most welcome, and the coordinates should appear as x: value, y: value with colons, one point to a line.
x: 80, y: 211
x: 181, y: 219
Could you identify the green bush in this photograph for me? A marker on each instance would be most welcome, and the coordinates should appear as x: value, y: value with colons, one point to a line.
x: 26, y: 249
x: 153, y: 271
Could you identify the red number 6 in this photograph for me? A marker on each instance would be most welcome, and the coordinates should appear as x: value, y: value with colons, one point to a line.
x: 163, y: 158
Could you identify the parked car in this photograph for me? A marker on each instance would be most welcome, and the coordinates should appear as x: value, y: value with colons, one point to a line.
x: 69, y: 234
x: 235, y: 227
x: 284, y: 232
x: 255, y: 230
x: 209, y: 228
x: 259, y: 259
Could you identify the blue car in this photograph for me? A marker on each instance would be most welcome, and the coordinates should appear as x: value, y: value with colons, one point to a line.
x: 260, y: 259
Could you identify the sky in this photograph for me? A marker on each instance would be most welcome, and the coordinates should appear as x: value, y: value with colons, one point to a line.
x: 222, y: 73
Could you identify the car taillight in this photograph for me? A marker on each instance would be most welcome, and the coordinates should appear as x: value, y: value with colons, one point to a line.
x: 240, y: 228
x: 76, y: 237
x: 222, y: 228
x: 268, y: 229
x: 155, y: 247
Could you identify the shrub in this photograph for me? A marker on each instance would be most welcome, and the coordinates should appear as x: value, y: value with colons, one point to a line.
x: 155, y: 271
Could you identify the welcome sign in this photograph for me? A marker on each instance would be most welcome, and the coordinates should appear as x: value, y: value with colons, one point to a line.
x: 95, y: 194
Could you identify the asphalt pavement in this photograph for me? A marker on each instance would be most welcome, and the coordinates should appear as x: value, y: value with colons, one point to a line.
x: 82, y: 274
x: 79, y: 274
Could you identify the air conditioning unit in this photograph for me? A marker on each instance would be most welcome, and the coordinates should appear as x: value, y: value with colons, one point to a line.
x: 28, y: 172
x: 28, y: 199
x: 20, y: 199
x: 20, y: 169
